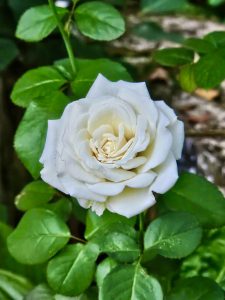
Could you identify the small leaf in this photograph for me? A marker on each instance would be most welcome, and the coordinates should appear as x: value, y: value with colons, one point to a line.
x: 103, y: 269
x: 128, y: 282
x: 29, y: 143
x: 40, y: 292
x: 62, y: 207
x: 186, y: 78
x: 197, y: 288
x: 95, y: 223
x: 173, y: 235
x: 36, y: 83
x: 201, y: 46
x: 37, y: 23
x: 88, y: 70
x: 194, y: 194
x: 99, y: 21
x: 217, y: 38
x: 13, y: 286
x: 72, y: 270
x: 8, y: 52
x: 212, y: 63
x: 162, y: 6
x: 39, y: 235
x: 173, y: 56
x: 34, y: 194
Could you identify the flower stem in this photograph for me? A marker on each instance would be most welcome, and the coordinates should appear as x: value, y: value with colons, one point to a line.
x: 65, y: 36
x: 77, y: 239
x: 141, y: 228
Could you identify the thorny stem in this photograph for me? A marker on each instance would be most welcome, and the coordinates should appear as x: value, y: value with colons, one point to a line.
x: 65, y: 36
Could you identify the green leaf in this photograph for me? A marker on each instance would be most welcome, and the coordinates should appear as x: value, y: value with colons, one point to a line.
x: 40, y: 292
x: 3, y: 213
x: 119, y: 241
x: 201, y: 46
x: 197, y: 288
x: 173, y: 235
x: 39, y: 235
x: 88, y: 70
x: 186, y: 78
x: 172, y: 57
x: 194, y: 194
x: 79, y: 212
x: 34, y: 194
x: 217, y: 38
x: 29, y: 143
x: 215, y: 2
x: 36, y: 83
x: 72, y: 270
x: 99, y: 21
x: 212, y: 63
x: 103, y: 269
x: 153, y: 32
x: 162, y: 6
x: 62, y: 207
x: 94, y: 223
x: 128, y: 282
x: 13, y: 286
x: 37, y: 23
x: 8, y: 52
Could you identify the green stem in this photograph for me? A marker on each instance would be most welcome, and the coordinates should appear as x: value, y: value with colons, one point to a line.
x: 141, y: 228
x: 64, y: 36
x: 77, y: 239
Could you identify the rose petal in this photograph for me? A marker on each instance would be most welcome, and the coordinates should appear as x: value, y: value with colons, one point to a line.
x: 169, y: 112
x: 177, y: 130
x: 106, y: 188
x: 141, y: 180
x: 130, y: 202
x: 167, y: 175
x: 134, y: 163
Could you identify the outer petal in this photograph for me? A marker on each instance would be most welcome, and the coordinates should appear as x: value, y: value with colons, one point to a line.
x: 177, y: 130
x: 159, y: 149
x: 167, y: 175
x: 106, y: 188
x: 169, y: 112
x: 48, y: 158
x: 141, y: 180
x: 131, y: 202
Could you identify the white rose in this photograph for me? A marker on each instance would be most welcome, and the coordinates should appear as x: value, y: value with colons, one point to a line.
x: 112, y: 149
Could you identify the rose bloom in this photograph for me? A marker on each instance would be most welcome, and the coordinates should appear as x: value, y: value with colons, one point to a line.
x: 114, y: 148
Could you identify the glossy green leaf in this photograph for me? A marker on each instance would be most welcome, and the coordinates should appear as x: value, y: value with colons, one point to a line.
x: 99, y: 21
x: 34, y: 194
x: 62, y: 207
x: 29, y: 143
x: 212, y: 63
x: 217, y: 38
x: 13, y: 286
x: 88, y: 71
x: 173, y: 235
x: 95, y: 223
x: 162, y: 6
x: 39, y: 235
x: 36, y: 83
x: 127, y: 282
x: 216, y: 2
x: 153, y: 32
x: 197, y: 288
x: 119, y: 241
x: 194, y: 194
x: 172, y: 57
x: 201, y: 46
x: 37, y: 23
x: 186, y: 78
x: 103, y: 269
x: 71, y: 271
x: 8, y: 52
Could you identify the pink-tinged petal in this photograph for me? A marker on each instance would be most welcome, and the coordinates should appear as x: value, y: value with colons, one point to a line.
x: 131, y: 202
x: 141, y: 180
x: 160, y: 147
x: 177, y: 130
x: 106, y: 188
x: 167, y: 175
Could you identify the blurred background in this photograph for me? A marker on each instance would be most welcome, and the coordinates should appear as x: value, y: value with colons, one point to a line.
x: 151, y: 25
